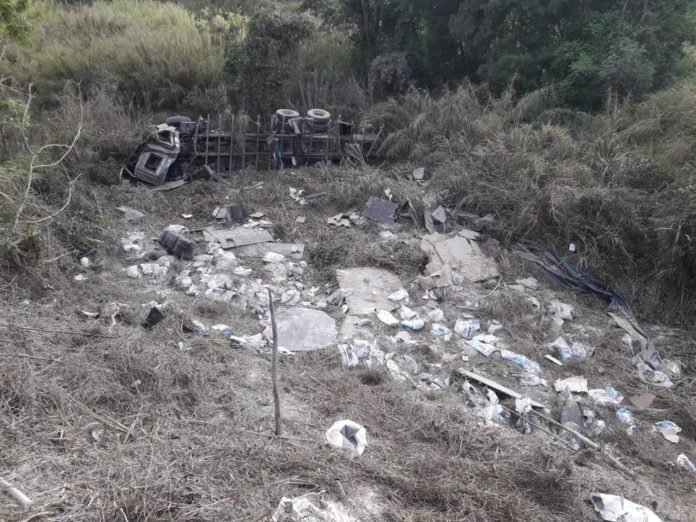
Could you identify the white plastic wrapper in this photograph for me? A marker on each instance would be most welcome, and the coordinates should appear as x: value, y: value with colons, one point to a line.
x: 347, y: 436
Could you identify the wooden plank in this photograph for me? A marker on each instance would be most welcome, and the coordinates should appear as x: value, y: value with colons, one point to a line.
x: 495, y: 386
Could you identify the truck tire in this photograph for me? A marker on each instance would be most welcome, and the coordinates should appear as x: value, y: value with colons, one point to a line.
x: 176, y: 121
x: 318, y: 127
x: 285, y: 115
x: 319, y: 116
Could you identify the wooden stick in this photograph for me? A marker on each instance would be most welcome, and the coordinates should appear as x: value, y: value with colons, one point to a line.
x: 588, y: 442
x: 495, y: 386
x: 274, y: 366
x: 16, y: 494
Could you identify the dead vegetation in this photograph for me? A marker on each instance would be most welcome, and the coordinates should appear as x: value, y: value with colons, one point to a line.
x: 107, y: 420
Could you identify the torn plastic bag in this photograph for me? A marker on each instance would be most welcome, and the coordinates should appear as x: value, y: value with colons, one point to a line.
x: 347, y: 436
x: 312, y: 507
x: 614, y: 508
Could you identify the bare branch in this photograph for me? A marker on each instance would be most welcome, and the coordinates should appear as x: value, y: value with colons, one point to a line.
x: 67, y: 202
x: 69, y: 147
x: 30, y: 177
x: 24, y: 119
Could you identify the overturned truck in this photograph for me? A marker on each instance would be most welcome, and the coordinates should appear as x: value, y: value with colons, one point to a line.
x: 181, y: 146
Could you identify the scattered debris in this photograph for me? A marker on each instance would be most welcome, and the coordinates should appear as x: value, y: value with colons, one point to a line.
x: 607, y: 395
x: 237, y: 237
x: 553, y: 360
x: 439, y: 214
x: 484, y: 344
x: 466, y: 328
x: 614, y: 508
x: 521, y: 361
x: 566, y: 352
x: 495, y: 386
x: 24, y: 501
x: 684, y: 462
x: 381, y: 211
x: 304, y: 329
x: 222, y: 329
x: 562, y: 310
x: 177, y: 245
x: 399, y: 295
x: 357, y: 351
x: 242, y: 271
x: 310, y: 507
x: 440, y: 330
x: 420, y: 174
x: 257, y: 341
x: 642, y: 401
x: 367, y: 289
x: 570, y: 275
x: 387, y: 318
x: 457, y: 253
x: 236, y: 214
x: 348, y: 437
x: 415, y: 324
x: 572, y: 384
x: 669, y: 430
x: 154, y: 317
x: 626, y: 417
x: 293, y: 250
x: 131, y: 214
x: 345, y: 220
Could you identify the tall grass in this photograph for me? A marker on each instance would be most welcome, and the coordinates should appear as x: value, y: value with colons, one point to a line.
x: 154, y: 53
x: 619, y: 184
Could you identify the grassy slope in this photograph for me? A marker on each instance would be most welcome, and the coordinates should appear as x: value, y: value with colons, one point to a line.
x: 199, y: 421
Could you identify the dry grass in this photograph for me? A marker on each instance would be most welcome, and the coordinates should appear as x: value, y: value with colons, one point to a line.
x: 120, y: 423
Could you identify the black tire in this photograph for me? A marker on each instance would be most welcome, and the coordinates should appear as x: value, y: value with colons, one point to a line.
x: 318, y: 127
x: 176, y: 121
x: 319, y: 116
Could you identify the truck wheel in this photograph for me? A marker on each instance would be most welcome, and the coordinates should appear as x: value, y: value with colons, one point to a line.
x: 319, y: 116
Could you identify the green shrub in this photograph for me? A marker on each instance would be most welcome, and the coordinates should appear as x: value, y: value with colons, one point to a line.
x: 153, y: 53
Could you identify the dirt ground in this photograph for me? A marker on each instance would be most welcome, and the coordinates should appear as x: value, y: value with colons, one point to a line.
x: 102, y: 419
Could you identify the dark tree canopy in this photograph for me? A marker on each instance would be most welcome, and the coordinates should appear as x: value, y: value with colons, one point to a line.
x: 584, y: 49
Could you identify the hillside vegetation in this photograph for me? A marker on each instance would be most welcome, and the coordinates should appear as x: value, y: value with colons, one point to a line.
x: 612, y: 172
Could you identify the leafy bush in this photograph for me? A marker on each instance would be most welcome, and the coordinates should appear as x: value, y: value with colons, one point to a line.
x: 153, y: 53
x: 389, y: 74
x: 258, y: 62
